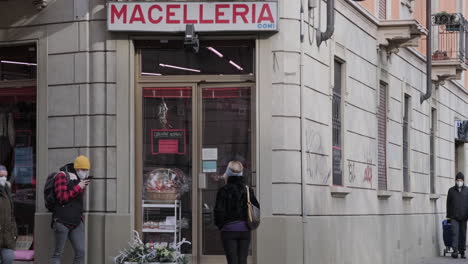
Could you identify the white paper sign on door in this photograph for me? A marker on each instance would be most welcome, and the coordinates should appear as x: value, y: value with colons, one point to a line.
x: 210, y: 154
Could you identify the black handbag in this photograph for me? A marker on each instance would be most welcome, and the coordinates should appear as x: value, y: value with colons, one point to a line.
x: 253, y: 212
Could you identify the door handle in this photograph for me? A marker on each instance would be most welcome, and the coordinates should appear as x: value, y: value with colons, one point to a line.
x: 202, y: 180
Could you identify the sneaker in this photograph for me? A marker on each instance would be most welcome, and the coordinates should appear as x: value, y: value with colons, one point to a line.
x: 455, y: 255
x: 462, y: 255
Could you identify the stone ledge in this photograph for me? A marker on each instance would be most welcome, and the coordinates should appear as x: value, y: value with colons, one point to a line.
x: 339, y: 191
x: 395, y: 34
x: 383, y: 194
x: 407, y: 195
x: 434, y: 197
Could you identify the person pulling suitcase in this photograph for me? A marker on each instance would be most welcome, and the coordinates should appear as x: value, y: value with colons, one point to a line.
x: 457, y: 212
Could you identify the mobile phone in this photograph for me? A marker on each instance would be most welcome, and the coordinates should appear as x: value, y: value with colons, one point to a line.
x: 90, y: 177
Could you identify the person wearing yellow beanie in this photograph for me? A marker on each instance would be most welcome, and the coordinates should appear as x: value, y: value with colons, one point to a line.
x: 69, y: 187
x: 82, y: 166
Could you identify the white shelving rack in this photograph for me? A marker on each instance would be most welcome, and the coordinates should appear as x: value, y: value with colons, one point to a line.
x: 149, y: 205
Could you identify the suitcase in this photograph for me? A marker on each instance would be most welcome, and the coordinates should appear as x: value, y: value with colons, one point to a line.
x: 447, y: 234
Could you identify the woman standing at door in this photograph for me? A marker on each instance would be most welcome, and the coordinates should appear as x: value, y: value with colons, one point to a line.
x: 231, y: 214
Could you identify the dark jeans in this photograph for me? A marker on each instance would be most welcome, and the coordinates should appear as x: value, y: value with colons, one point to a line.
x: 236, y: 246
x: 459, y: 235
x: 76, y: 236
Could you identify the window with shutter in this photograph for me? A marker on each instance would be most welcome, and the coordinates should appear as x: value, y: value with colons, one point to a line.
x: 406, y: 180
x: 432, y: 148
x: 383, y: 9
x: 337, y: 149
x: 382, y: 137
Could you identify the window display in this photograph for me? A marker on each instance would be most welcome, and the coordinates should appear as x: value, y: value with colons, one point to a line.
x: 167, y: 205
x: 18, y: 90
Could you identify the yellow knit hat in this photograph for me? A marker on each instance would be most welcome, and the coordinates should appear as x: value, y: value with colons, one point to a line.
x: 82, y: 163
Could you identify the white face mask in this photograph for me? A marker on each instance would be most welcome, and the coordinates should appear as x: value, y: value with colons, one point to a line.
x: 460, y: 183
x: 3, y: 181
x: 82, y: 174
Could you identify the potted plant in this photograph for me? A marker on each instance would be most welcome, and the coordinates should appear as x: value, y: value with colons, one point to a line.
x: 151, y: 253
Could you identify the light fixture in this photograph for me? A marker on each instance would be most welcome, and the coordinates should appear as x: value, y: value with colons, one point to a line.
x: 178, y: 68
x: 151, y: 73
x: 191, y: 41
x: 18, y: 63
x: 235, y: 65
x: 215, y: 52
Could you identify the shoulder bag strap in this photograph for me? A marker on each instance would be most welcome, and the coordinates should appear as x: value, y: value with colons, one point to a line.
x: 248, y: 203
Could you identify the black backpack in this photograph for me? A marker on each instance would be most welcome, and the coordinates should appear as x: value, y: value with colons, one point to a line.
x: 49, y: 191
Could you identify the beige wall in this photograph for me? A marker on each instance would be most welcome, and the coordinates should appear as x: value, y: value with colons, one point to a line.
x: 395, y: 9
x: 449, y: 6
x: 369, y: 5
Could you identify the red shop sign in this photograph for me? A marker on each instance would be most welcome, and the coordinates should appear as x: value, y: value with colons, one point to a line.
x: 206, y: 16
x: 168, y: 141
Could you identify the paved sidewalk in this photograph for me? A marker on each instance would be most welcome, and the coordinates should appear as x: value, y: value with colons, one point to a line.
x: 443, y: 260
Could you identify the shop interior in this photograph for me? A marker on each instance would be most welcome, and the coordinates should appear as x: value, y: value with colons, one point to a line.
x: 18, y: 93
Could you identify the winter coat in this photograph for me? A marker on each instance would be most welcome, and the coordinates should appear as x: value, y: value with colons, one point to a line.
x: 231, y: 202
x: 8, y: 230
x: 457, y: 203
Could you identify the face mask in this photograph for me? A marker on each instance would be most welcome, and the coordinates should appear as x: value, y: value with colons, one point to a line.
x: 460, y: 183
x: 3, y: 181
x: 82, y: 174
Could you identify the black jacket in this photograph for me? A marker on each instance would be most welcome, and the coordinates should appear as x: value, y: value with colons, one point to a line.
x: 457, y: 203
x: 70, y: 213
x: 231, y: 202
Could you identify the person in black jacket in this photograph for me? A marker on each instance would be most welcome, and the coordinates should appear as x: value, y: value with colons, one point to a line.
x: 457, y: 212
x: 231, y: 214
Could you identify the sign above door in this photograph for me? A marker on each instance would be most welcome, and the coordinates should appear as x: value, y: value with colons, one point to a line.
x: 205, y: 16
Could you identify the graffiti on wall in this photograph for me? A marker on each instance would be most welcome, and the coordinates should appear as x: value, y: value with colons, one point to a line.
x: 351, y: 171
x: 368, y: 172
x: 317, y: 164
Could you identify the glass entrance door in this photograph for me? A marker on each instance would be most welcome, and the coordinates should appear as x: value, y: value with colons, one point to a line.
x: 188, y: 133
x: 226, y: 134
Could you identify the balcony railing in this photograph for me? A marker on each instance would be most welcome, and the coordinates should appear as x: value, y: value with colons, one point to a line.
x: 450, y: 37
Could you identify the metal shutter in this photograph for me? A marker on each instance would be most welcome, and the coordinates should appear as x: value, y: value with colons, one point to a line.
x: 336, y: 126
x: 383, y: 9
x: 382, y: 137
x: 406, y: 182
x: 432, y: 148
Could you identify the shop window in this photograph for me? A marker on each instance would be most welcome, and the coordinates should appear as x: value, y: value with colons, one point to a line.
x: 187, y: 136
x: 406, y: 117
x: 167, y: 164
x: 18, y: 63
x: 18, y: 133
x: 382, y: 137
x: 171, y: 57
x: 337, y: 147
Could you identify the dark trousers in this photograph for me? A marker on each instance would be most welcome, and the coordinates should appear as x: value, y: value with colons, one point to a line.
x: 236, y: 246
x: 459, y: 235
x: 76, y: 237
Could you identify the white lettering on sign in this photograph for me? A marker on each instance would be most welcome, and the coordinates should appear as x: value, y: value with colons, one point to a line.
x: 206, y: 16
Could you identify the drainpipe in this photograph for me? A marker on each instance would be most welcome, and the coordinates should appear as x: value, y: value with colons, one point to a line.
x: 428, y: 94
x: 303, y: 142
x: 323, y: 36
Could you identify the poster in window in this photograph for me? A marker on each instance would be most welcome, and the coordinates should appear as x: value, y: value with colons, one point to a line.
x: 23, y: 170
x: 168, y: 141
